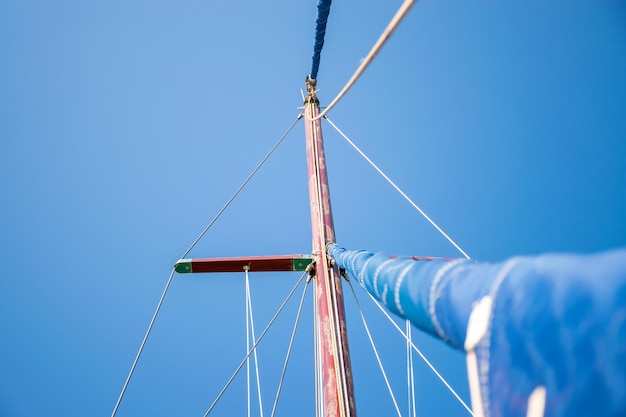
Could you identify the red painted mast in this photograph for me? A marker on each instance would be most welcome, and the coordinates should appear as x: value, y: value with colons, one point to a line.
x: 338, y: 391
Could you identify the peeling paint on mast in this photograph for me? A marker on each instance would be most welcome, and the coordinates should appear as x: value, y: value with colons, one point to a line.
x: 338, y: 391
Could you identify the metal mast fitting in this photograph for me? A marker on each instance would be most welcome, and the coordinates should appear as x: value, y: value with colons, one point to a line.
x: 338, y: 391
x: 311, y: 96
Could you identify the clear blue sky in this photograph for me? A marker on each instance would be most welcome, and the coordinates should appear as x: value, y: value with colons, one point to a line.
x: 125, y: 126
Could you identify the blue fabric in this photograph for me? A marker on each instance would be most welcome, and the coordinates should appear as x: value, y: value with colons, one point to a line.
x: 557, y: 320
x: 323, y: 9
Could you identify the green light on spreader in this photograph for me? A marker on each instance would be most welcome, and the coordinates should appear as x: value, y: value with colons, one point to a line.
x: 183, y: 266
x: 300, y: 264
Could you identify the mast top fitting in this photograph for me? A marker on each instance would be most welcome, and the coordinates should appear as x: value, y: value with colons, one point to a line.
x: 311, y: 96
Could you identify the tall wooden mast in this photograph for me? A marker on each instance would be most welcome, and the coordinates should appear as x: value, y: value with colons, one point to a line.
x: 338, y: 390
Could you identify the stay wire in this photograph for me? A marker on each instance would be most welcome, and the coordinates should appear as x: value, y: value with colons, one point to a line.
x: 143, y: 343
x: 248, y: 344
x: 244, y: 360
x: 288, y: 355
x: 402, y: 193
x: 230, y: 200
x: 256, y: 359
x: 380, y: 364
x: 419, y: 352
x: 391, y: 27
x: 169, y: 281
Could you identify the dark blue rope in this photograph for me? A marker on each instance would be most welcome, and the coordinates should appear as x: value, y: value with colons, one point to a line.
x: 323, y: 9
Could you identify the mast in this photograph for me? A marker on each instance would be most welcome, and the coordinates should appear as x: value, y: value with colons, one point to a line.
x: 338, y: 390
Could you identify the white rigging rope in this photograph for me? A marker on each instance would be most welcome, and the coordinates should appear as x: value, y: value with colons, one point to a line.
x: 410, y: 376
x: 246, y: 181
x: 319, y: 377
x: 391, y: 27
x: 248, y: 344
x: 256, y: 359
x: 293, y: 335
x: 245, y: 359
x: 402, y: 193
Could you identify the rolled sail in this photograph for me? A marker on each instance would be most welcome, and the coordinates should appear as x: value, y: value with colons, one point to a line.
x: 554, y: 321
x: 323, y: 10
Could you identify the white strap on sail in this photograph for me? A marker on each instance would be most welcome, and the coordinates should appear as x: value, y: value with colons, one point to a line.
x: 537, y: 402
x: 477, y: 327
x: 434, y: 294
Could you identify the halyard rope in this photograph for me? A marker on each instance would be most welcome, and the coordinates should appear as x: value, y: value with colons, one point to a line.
x: 391, y: 27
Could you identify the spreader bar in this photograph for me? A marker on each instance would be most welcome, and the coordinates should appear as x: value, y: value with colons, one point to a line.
x: 254, y: 263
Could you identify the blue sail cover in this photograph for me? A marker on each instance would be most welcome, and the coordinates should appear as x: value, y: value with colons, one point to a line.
x: 323, y: 9
x: 557, y: 321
